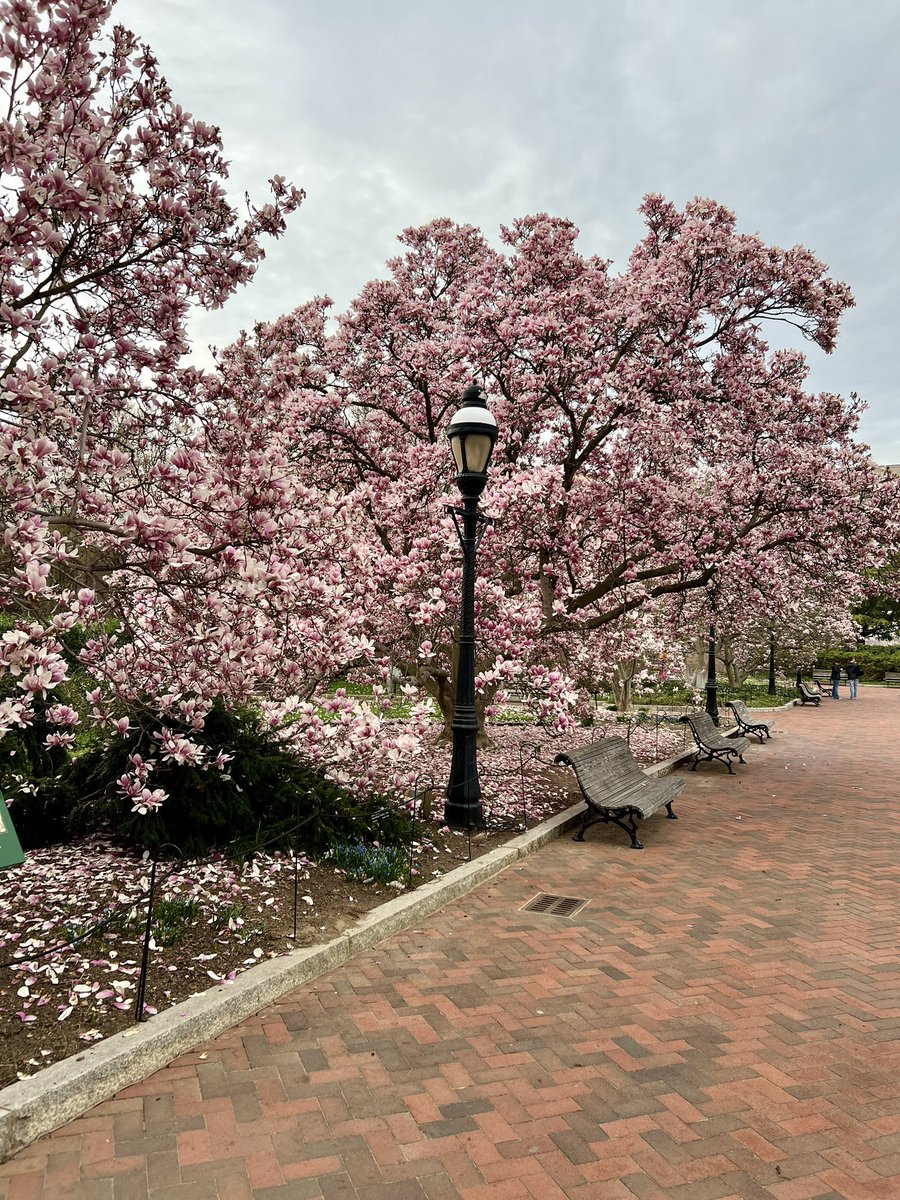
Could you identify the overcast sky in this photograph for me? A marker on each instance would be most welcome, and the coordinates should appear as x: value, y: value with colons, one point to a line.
x: 392, y: 112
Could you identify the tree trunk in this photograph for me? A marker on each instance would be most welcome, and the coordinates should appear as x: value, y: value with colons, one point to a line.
x: 623, y: 682
x: 695, y: 663
x: 726, y: 653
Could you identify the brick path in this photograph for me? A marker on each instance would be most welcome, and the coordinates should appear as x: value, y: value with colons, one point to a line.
x: 721, y: 1021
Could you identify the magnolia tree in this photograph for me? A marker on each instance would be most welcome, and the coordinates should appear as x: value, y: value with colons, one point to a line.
x: 636, y: 654
x: 138, y: 498
x: 798, y: 634
x: 799, y: 614
x: 648, y: 437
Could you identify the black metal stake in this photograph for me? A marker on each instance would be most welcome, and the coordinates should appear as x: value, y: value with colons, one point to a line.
x: 771, y: 662
x: 296, y: 887
x: 712, y: 705
x: 412, y: 834
x: 145, y: 957
x: 522, y: 786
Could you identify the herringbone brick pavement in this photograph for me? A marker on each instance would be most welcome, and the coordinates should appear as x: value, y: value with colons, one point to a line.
x: 719, y: 1023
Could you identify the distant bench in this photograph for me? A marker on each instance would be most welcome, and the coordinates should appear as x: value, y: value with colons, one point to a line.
x: 746, y: 723
x: 711, y: 743
x: 808, y: 695
x: 892, y: 678
x: 615, y: 788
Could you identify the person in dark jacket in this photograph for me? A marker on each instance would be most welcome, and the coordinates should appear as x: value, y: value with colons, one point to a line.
x: 835, y: 680
x: 854, y: 674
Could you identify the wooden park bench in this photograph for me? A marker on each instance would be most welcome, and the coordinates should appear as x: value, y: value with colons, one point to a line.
x: 892, y: 679
x: 712, y: 743
x: 808, y: 695
x: 615, y: 788
x: 745, y: 722
x: 822, y: 677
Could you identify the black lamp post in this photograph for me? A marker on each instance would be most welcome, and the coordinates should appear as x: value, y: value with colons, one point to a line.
x: 472, y: 432
x: 771, y: 662
x: 712, y: 699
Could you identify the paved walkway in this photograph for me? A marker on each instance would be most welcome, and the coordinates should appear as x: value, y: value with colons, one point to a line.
x: 721, y: 1020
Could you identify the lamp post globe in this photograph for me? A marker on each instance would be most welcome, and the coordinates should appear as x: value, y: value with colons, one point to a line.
x: 473, y: 434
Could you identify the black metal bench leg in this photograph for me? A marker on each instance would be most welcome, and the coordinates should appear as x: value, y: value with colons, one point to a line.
x: 671, y: 815
x: 591, y: 817
x: 630, y: 829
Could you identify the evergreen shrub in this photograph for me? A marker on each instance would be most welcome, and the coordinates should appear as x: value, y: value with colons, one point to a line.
x: 874, y: 660
x: 267, y: 797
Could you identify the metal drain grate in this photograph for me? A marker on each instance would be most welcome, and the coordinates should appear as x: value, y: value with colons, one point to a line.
x: 554, y: 906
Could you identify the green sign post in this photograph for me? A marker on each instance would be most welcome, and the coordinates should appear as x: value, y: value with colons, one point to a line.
x: 10, y: 851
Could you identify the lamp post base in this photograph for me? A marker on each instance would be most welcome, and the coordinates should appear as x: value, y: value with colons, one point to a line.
x: 460, y: 815
x: 462, y: 809
x: 712, y: 699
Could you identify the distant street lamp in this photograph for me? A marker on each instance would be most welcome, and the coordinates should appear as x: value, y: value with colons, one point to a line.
x: 712, y: 698
x: 771, y: 662
x: 472, y: 433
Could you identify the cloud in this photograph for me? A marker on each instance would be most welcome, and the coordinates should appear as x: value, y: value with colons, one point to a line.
x: 392, y: 114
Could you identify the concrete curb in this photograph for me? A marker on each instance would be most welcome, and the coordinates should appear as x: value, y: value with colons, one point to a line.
x: 67, y: 1089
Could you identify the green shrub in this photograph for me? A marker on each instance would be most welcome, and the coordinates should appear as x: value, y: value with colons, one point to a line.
x: 268, y: 796
x: 756, y: 695
x: 677, y: 695
x: 28, y: 766
x: 874, y: 660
